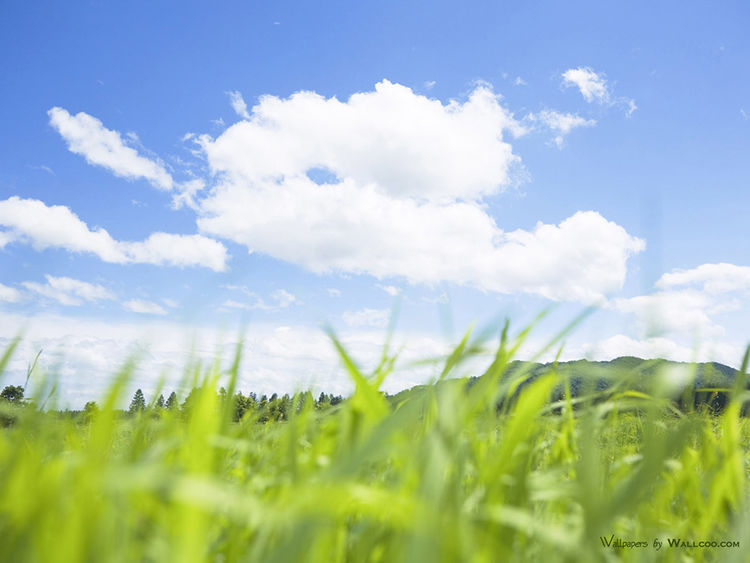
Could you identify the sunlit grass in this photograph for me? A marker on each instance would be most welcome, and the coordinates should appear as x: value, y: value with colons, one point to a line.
x: 506, y: 467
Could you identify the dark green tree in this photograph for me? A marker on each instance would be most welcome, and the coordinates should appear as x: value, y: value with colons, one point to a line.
x: 160, y: 402
x: 90, y: 410
x: 13, y: 394
x: 323, y: 401
x: 171, y: 401
x: 190, y: 400
x: 285, y: 407
x: 138, y: 404
x: 242, y: 405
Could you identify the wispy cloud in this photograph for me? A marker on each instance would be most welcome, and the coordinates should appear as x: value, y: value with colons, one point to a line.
x: 144, y: 307
x: 594, y: 88
x: 391, y: 290
x: 238, y: 104
x: 559, y: 123
x: 43, y: 168
x: 88, y: 137
x: 68, y: 291
x: 56, y: 226
x: 279, y: 299
x: 9, y: 294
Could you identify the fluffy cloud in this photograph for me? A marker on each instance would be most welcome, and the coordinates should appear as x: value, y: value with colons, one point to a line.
x: 409, y: 175
x: 687, y: 300
x: 85, y: 354
x: 560, y: 123
x: 406, y: 144
x: 359, y: 230
x: 56, y: 226
x: 9, y: 294
x: 593, y: 87
x: 673, y: 311
x: 88, y: 137
x: 144, y: 307
x: 713, y: 278
x: 177, y: 250
x: 68, y: 291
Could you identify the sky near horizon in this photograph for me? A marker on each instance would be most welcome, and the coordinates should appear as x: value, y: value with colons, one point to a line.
x: 174, y: 174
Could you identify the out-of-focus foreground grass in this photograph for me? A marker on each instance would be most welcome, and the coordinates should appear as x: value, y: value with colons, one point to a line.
x: 499, y: 468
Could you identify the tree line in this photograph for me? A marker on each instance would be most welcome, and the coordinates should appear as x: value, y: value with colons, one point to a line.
x: 265, y: 408
x: 274, y: 407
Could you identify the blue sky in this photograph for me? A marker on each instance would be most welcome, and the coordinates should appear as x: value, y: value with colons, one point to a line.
x: 469, y: 162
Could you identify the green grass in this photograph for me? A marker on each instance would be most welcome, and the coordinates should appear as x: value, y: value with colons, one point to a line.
x: 437, y: 474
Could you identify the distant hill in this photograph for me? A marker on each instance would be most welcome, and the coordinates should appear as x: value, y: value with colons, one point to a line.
x: 707, y: 378
x: 707, y: 374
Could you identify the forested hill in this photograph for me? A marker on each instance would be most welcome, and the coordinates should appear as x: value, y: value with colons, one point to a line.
x: 708, y: 374
x: 636, y: 373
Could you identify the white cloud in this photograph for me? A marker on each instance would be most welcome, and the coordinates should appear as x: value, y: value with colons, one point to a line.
x: 684, y: 312
x: 688, y: 300
x: 238, y: 104
x: 177, y: 250
x: 283, y: 298
x: 145, y: 307
x: 659, y: 347
x: 361, y: 231
x: 5, y: 238
x: 56, y: 226
x: 430, y: 84
x: 391, y: 290
x: 713, y: 278
x: 519, y: 81
x: 333, y: 292
x: 87, y: 136
x: 593, y: 87
x: 234, y: 304
x: 376, y: 318
x: 631, y: 107
x: 44, y: 168
x: 560, y: 123
x: 85, y: 354
x: 68, y: 291
x: 412, y: 175
x: 280, y: 299
x: 188, y: 192
x: 404, y: 143
x: 9, y: 294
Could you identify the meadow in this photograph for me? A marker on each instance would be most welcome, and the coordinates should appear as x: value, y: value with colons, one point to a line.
x: 502, y: 467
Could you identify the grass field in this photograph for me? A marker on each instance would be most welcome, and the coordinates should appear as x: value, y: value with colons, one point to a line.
x: 440, y: 473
